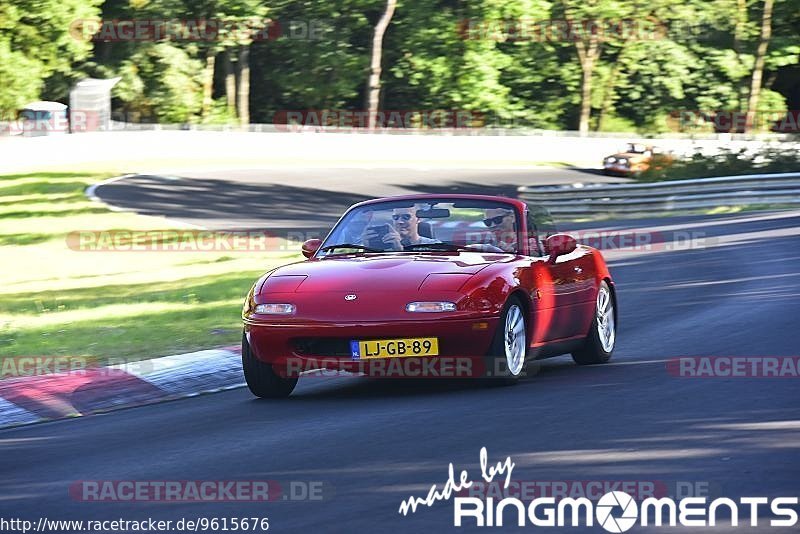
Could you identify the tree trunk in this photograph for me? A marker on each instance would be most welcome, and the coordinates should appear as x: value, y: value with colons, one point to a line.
x: 738, y: 39
x: 244, y: 85
x: 374, y: 81
x: 208, y: 83
x: 587, y: 54
x: 608, y: 90
x: 758, y: 68
x: 230, y: 82
x: 608, y: 97
x: 738, y: 30
x: 586, y: 98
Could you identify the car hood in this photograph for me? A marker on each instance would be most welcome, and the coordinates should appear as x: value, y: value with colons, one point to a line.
x: 380, y: 273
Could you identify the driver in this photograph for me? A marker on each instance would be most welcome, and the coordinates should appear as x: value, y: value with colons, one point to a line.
x: 403, y: 231
x: 500, y: 222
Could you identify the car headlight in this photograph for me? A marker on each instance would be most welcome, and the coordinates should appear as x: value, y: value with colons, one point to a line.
x: 611, y: 160
x: 275, y: 309
x: 624, y: 162
x: 430, y: 307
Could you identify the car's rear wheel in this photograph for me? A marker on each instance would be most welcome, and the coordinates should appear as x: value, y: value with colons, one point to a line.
x: 506, y: 359
x: 261, y: 378
x: 599, y: 344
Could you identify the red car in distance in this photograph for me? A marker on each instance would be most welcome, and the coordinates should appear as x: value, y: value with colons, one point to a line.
x: 478, y: 279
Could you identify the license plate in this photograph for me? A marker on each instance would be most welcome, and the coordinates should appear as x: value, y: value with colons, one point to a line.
x: 394, y: 348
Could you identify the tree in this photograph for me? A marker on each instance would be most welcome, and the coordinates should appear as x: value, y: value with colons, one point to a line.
x: 40, y: 39
x: 758, y: 68
x: 376, y: 55
x: 356, y: 54
x: 585, y: 22
x: 645, y: 75
x: 317, y: 64
x: 230, y: 81
x: 588, y: 54
x: 243, y: 95
x: 162, y: 82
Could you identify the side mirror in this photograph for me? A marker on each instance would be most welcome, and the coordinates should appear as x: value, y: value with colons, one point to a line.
x: 559, y: 244
x: 310, y: 247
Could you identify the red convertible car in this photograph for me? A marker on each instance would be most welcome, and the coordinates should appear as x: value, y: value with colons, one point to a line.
x: 482, y: 280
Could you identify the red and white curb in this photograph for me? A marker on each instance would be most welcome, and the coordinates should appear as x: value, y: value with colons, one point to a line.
x: 32, y: 399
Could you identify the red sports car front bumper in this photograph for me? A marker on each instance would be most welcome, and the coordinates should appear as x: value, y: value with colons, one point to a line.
x: 296, y: 348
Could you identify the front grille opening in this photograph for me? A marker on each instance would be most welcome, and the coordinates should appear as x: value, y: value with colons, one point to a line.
x: 322, y: 346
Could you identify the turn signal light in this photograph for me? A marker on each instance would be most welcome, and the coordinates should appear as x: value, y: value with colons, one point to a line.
x: 275, y: 309
x: 430, y: 307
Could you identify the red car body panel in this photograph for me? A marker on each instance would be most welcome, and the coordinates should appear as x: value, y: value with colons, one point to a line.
x: 560, y: 295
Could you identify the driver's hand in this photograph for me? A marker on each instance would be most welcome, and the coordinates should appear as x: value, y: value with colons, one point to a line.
x: 368, y: 235
x: 506, y: 247
x: 393, y: 239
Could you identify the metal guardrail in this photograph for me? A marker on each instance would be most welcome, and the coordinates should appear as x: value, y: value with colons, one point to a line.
x: 484, y: 131
x: 11, y: 128
x: 627, y: 198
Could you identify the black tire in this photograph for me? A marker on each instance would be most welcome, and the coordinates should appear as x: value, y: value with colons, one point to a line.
x: 592, y: 351
x: 497, y: 371
x: 261, y: 378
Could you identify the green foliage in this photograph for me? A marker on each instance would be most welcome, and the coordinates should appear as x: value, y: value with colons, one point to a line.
x: 318, y: 59
x: 22, y: 79
x: 37, y: 41
x: 161, y: 81
x: 618, y: 124
x: 220, y: 114
x: 671, y: 55
x: 772, y: 101
x: 727, y: 162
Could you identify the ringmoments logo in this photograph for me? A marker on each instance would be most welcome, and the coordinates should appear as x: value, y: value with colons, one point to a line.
x: 621, y: 501
x: 615, y: 511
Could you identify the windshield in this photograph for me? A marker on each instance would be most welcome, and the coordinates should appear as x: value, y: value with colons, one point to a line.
x: 636, y: 148
x: 430, y: 225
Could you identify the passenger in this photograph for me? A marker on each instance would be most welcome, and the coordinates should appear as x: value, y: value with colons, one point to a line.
x: 500, y: 222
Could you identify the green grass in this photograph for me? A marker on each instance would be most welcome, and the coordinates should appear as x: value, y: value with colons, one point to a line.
x: 107, y: 305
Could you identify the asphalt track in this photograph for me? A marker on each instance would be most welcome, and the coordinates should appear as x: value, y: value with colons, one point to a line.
x: 287, y: 197
x: 373, y: 442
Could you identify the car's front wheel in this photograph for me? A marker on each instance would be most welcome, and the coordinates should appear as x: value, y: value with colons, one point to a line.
x: 507, y: 355
x: 261, y: 378
x: 602, y: 336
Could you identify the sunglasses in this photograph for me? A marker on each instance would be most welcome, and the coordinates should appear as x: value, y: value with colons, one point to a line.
x: 494, y: 221
x: 405, y: 216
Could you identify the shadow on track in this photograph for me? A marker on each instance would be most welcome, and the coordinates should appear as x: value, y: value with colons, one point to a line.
x: 211, y: 199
